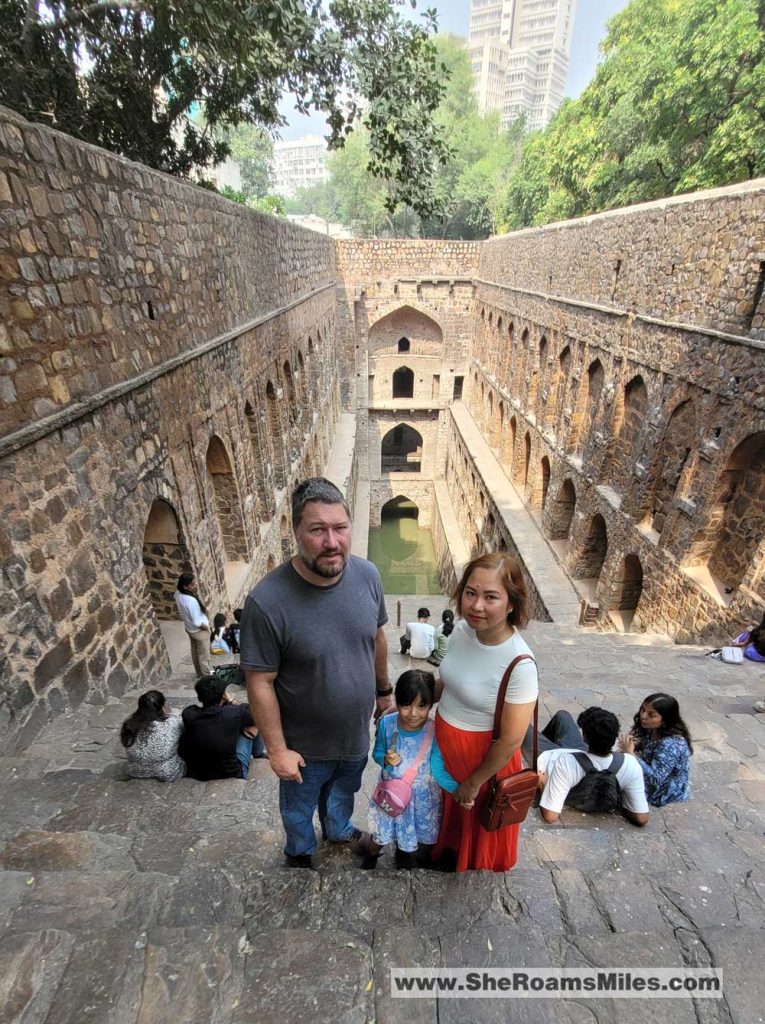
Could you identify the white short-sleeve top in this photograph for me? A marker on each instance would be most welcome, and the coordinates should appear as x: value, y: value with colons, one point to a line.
x: 472, y: 673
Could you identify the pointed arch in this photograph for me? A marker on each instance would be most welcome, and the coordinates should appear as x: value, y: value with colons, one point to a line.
x: 228, y: 510
x: 165, y: 556
x: 401, y: 450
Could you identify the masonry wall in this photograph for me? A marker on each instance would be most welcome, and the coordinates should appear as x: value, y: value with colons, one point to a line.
x: 239, y: 349
x: 597, y: 353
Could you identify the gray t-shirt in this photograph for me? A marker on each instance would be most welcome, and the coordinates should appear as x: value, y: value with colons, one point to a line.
x: 321, y: 643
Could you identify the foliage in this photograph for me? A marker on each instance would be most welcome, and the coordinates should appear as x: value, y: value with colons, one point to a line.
x: 253, y: 150
x: 125, y: 74
x: 468, y: 187
x: 677, y: 104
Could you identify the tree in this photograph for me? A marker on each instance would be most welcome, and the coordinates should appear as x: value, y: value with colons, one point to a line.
x: 125, y: 74
x: 253, y: 150
x: 677, y: 104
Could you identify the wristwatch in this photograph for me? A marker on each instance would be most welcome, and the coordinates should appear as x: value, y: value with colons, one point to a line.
x: 384, y: 693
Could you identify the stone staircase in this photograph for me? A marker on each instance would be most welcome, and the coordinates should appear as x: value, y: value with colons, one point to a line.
x: 134, y: 902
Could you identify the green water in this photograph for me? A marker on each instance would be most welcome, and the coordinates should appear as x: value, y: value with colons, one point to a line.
x: 405, y: 556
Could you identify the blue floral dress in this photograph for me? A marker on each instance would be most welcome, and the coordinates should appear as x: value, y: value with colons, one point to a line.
x: 666, y: 769
x: 421, y: 819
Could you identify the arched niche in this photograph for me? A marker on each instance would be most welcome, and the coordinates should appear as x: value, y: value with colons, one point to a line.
x: 165, y: 557
x: 227, y: 508
x: 401, y: 450
x: 562, y: 512
x: 592, y: 553
x: 406, y: 323
x: 678, y: 441
x: 403, y: 383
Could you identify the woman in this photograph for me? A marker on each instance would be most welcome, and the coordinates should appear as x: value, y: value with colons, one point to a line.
x: 150, y: 738
x: 491, y: 602
x: 753, y: 642
x: 195, y: 621
x: 660, y: 740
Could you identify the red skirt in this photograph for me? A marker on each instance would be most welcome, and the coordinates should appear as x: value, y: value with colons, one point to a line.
x: 460, y: 829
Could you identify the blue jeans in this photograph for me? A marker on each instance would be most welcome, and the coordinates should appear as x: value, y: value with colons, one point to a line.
x: 327, y: 786
x: 246, y: 749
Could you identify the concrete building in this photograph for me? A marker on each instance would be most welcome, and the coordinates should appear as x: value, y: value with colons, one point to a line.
x: 519, y: 50
x: 299, y: 164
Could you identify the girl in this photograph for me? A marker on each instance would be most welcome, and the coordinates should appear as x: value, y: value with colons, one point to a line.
x: 400, y: 737
x: 753, y: 642
x: 491, y: 600
x: 150, y: 738
x: 662, y: 744
x: 218, y: 642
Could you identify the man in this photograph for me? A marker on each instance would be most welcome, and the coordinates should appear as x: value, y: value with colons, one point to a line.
x: 219, y: 739
x: 316, y: 661
x: 560, y: 769
x: 420, y: 637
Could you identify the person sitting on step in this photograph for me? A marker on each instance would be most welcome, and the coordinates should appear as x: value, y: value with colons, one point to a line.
x: 419, y: 639
x: 569, y: 761
x: 220, y: 737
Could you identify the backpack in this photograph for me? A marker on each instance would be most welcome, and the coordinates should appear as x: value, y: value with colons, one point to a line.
x: 599, y: 790
x: 231, y: 675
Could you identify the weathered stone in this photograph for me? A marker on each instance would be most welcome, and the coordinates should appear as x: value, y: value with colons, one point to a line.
x: 65, y: 851
x: 32, y: 964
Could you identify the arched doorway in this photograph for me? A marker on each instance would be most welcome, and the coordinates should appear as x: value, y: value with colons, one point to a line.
x: 627, y: 589
x: 592, y: 555
x: 401, y: 450
x: 403, y: 382
x: 165, y: 557
x: 563, y: 511
x: 545, y: 481
x: 676, y: 446
x: 227, y: 508
x: 403, y: 551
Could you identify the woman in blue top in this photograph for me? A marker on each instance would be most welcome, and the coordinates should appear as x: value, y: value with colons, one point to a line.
x: 662, y: 744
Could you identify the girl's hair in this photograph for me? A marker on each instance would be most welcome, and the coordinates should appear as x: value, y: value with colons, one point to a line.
x: 415, y: 683
x: 757, y: 638
x: 510, y: 577
x: 219, y: 620
x: 150, y: 709
x: 448, y: 628
x: 671, y: 722
x: 447, y: 615
x: 184, y: 580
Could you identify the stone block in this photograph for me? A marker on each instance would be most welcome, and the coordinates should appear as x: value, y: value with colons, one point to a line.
x: 34, y: 851
x: 32, y: 964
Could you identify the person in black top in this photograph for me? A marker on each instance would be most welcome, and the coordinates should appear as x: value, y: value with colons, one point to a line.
x: 219, y: 738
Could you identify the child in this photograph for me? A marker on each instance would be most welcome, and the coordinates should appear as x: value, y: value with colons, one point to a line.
x: 398, y: 743
x: 218, y: 645
x: 662, y: 744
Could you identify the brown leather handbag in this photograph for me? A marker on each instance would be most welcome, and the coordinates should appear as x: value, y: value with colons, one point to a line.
x: 509, y: 799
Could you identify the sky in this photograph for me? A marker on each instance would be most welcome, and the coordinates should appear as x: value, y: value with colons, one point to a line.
x: 454, y: 16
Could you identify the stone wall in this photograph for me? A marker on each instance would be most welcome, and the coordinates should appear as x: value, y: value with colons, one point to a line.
x: 654, y: 424
x: 153, y: 439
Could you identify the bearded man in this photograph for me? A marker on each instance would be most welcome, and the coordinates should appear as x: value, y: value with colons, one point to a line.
x: 316, y: 661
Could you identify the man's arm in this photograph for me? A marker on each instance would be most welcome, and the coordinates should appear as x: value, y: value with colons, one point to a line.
x: 265, y: 710
x: 382, y: 704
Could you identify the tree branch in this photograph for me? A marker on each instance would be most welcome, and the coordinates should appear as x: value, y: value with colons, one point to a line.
x: 92, y: 10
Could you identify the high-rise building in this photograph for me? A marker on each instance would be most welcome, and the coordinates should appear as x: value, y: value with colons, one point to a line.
x: 299, y: 164
x: 519, y: 50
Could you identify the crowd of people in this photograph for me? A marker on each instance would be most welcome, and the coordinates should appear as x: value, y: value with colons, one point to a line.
x: 313, y: 650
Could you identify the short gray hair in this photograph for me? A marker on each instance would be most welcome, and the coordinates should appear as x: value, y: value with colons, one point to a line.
x: 315, y: 488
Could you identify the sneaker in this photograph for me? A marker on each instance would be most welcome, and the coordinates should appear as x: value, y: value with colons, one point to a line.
x: 300, y: 860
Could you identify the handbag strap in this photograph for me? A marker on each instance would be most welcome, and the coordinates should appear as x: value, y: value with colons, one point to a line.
x: 501, y: 704
x: 411, y: 773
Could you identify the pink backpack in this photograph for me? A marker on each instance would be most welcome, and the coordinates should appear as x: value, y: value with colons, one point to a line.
x: 393, y: 796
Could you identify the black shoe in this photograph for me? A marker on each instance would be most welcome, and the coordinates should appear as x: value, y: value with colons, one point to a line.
x: 405, y: 861
x: 369, y: 862
x: 357, y: 841
x: 300, y: 860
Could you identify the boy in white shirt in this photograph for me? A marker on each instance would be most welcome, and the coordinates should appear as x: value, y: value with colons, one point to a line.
x: 559, y: 769
x: 420, y: 637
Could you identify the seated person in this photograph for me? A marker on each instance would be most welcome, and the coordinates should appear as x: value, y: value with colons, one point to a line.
x: 219, y: 738
x: 419, y: 639
x: 662, y: 744
x: 218, y: 642
x: 560, y: 771
x: 442, y: 643
x: 150, y: 738
x: 231, y: 636
x: 753, y: 642
x: 447, y: 615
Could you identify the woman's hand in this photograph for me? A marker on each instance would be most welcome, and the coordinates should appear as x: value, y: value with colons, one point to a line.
x: 627, y: 743
x: 465, y: 794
